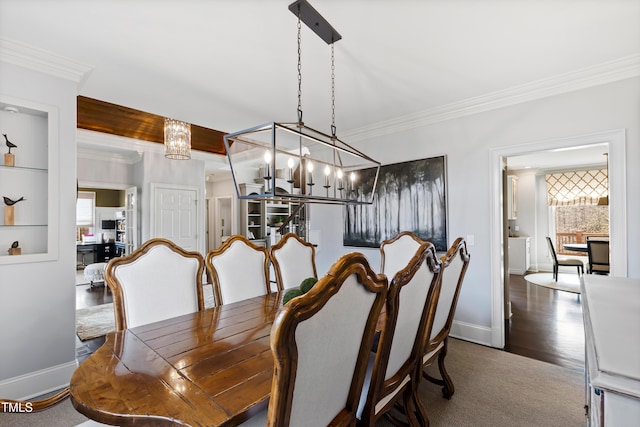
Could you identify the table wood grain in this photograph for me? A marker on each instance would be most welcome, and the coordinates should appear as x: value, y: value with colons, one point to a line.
x: 209, y: 368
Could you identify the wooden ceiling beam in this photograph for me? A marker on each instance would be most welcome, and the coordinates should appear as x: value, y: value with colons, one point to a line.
x: 115, y: 119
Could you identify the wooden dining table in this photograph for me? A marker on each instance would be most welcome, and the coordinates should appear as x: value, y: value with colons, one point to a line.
x: 209, y: 368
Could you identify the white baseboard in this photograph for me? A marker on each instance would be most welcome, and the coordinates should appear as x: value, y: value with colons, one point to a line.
x: 37, y: 383
x: 470, y: 332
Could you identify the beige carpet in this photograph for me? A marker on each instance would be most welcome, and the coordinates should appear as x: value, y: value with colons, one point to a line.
x: 96, y: 321
x: 493, y: 389
x: 566, y: 281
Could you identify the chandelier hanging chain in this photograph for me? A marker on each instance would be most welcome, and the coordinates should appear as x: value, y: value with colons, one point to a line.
x: 299, y: 71
x: 333, y: 94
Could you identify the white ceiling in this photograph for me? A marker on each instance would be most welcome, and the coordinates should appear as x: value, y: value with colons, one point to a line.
x: 231, y: 64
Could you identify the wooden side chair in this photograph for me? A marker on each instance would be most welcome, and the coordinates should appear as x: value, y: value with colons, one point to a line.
x: 293, y: 261
x: 321, y: 342
x: 598, y: 254
x: 240, y: 270
x: 563, y: 262
x: 397, y: 252
x: 395, y: 369
x: 159, y: 280
x: 454, y: 265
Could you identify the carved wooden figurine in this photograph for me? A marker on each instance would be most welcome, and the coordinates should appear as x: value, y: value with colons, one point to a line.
x: 9, y: 158
x: 14, y: 249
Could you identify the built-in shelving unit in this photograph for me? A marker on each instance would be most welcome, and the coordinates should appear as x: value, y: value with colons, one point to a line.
x: 33, y: 176
x: 260, y: 219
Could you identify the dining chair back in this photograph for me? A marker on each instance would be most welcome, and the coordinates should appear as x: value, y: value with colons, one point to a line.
x: 454, y: 267
x: 396, y: 253
x: 321, y: 343
x: 159, y: 280
x: 395, y: 369
x: 293, y: 261
x: 239, y: 269
x: 598, y: 254
x: 557, y: 262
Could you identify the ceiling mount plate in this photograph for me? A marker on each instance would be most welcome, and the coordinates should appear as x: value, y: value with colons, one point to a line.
x: 315, y: 21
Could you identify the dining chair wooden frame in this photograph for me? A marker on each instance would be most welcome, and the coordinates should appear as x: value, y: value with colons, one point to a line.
x: 285, y: 277
x: 563, y: 262
x: 228, y: 245
x: 388, y: 258
x: 386, y: 390
x: 352, y: 276
x: 146, y: 250
x: 598, y: 256
x: 454, y: 268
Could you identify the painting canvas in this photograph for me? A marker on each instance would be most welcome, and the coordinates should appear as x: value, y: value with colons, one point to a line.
x: 410, y: 196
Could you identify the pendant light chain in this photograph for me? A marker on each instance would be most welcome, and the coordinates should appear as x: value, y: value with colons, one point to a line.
x: 333, y: 94
x: 299, y: 71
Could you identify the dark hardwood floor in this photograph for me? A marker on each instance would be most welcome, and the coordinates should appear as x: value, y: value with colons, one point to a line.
x: 546, y: 324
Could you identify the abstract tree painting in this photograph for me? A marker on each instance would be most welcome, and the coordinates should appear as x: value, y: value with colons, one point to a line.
x: 410, y: 196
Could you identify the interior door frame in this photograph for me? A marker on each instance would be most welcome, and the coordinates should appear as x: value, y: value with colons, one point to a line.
x: 217, y: 227
x: 616, y: 139
x: 200, y: 229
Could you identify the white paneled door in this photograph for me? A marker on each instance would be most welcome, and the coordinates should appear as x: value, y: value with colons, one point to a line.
x: 175, y: 215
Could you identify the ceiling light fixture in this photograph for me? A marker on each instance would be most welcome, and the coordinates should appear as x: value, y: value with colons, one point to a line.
x: 308, y: 157
x: 177, y: 139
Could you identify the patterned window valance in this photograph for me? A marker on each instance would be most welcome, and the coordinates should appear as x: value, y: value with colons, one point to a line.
x: 577, y: 188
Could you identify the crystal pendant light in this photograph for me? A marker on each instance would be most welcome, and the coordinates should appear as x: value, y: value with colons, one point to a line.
x: 177, y: 139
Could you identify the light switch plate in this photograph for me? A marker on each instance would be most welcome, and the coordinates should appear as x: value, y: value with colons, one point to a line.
x: 471, y: 239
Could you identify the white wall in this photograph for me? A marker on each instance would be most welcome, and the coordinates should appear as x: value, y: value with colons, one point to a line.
x: 467, y: 142
x: 104, y: 171
x: 37, y: 300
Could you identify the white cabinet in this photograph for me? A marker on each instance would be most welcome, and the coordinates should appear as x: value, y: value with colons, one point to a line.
x: 611, y: 313
x: 30, y: 174
x: 519, y: 255
x: 512, y: 197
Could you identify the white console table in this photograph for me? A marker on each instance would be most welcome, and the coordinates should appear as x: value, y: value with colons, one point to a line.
x: 611, y: 311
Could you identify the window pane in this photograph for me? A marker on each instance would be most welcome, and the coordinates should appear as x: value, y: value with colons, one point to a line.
x: 85, y: 208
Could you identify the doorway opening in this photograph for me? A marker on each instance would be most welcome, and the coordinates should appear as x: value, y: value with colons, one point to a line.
x: 615, y: 143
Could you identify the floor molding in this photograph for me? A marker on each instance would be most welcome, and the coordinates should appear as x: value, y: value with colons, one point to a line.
x: 37, y: 383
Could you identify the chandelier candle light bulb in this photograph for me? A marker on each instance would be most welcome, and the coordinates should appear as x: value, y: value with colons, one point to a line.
x: 290, y: 164
x: 339, y: 175
x: 327, y: 172
x: 267, y: 165
x: 353, y: 181
x: 310, y: 170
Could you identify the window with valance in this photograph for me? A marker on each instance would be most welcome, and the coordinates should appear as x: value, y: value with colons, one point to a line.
x: 587, y: 187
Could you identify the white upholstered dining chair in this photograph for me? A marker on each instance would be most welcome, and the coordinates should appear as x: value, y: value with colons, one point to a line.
x: 159, y: 280
x: 239, y: 269
x: 454, y: 265
x: 321, y: 343
x: 293, y: 261
x: 396, y: 253
x: 394, y: 372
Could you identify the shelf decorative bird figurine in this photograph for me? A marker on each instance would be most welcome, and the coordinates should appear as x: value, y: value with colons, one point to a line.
x: 9, y: 143
x: 9, y: 202
x: 14, y: 249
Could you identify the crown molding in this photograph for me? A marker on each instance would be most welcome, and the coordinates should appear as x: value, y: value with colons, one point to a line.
x: 607, y: 72
x: 46, y: 62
